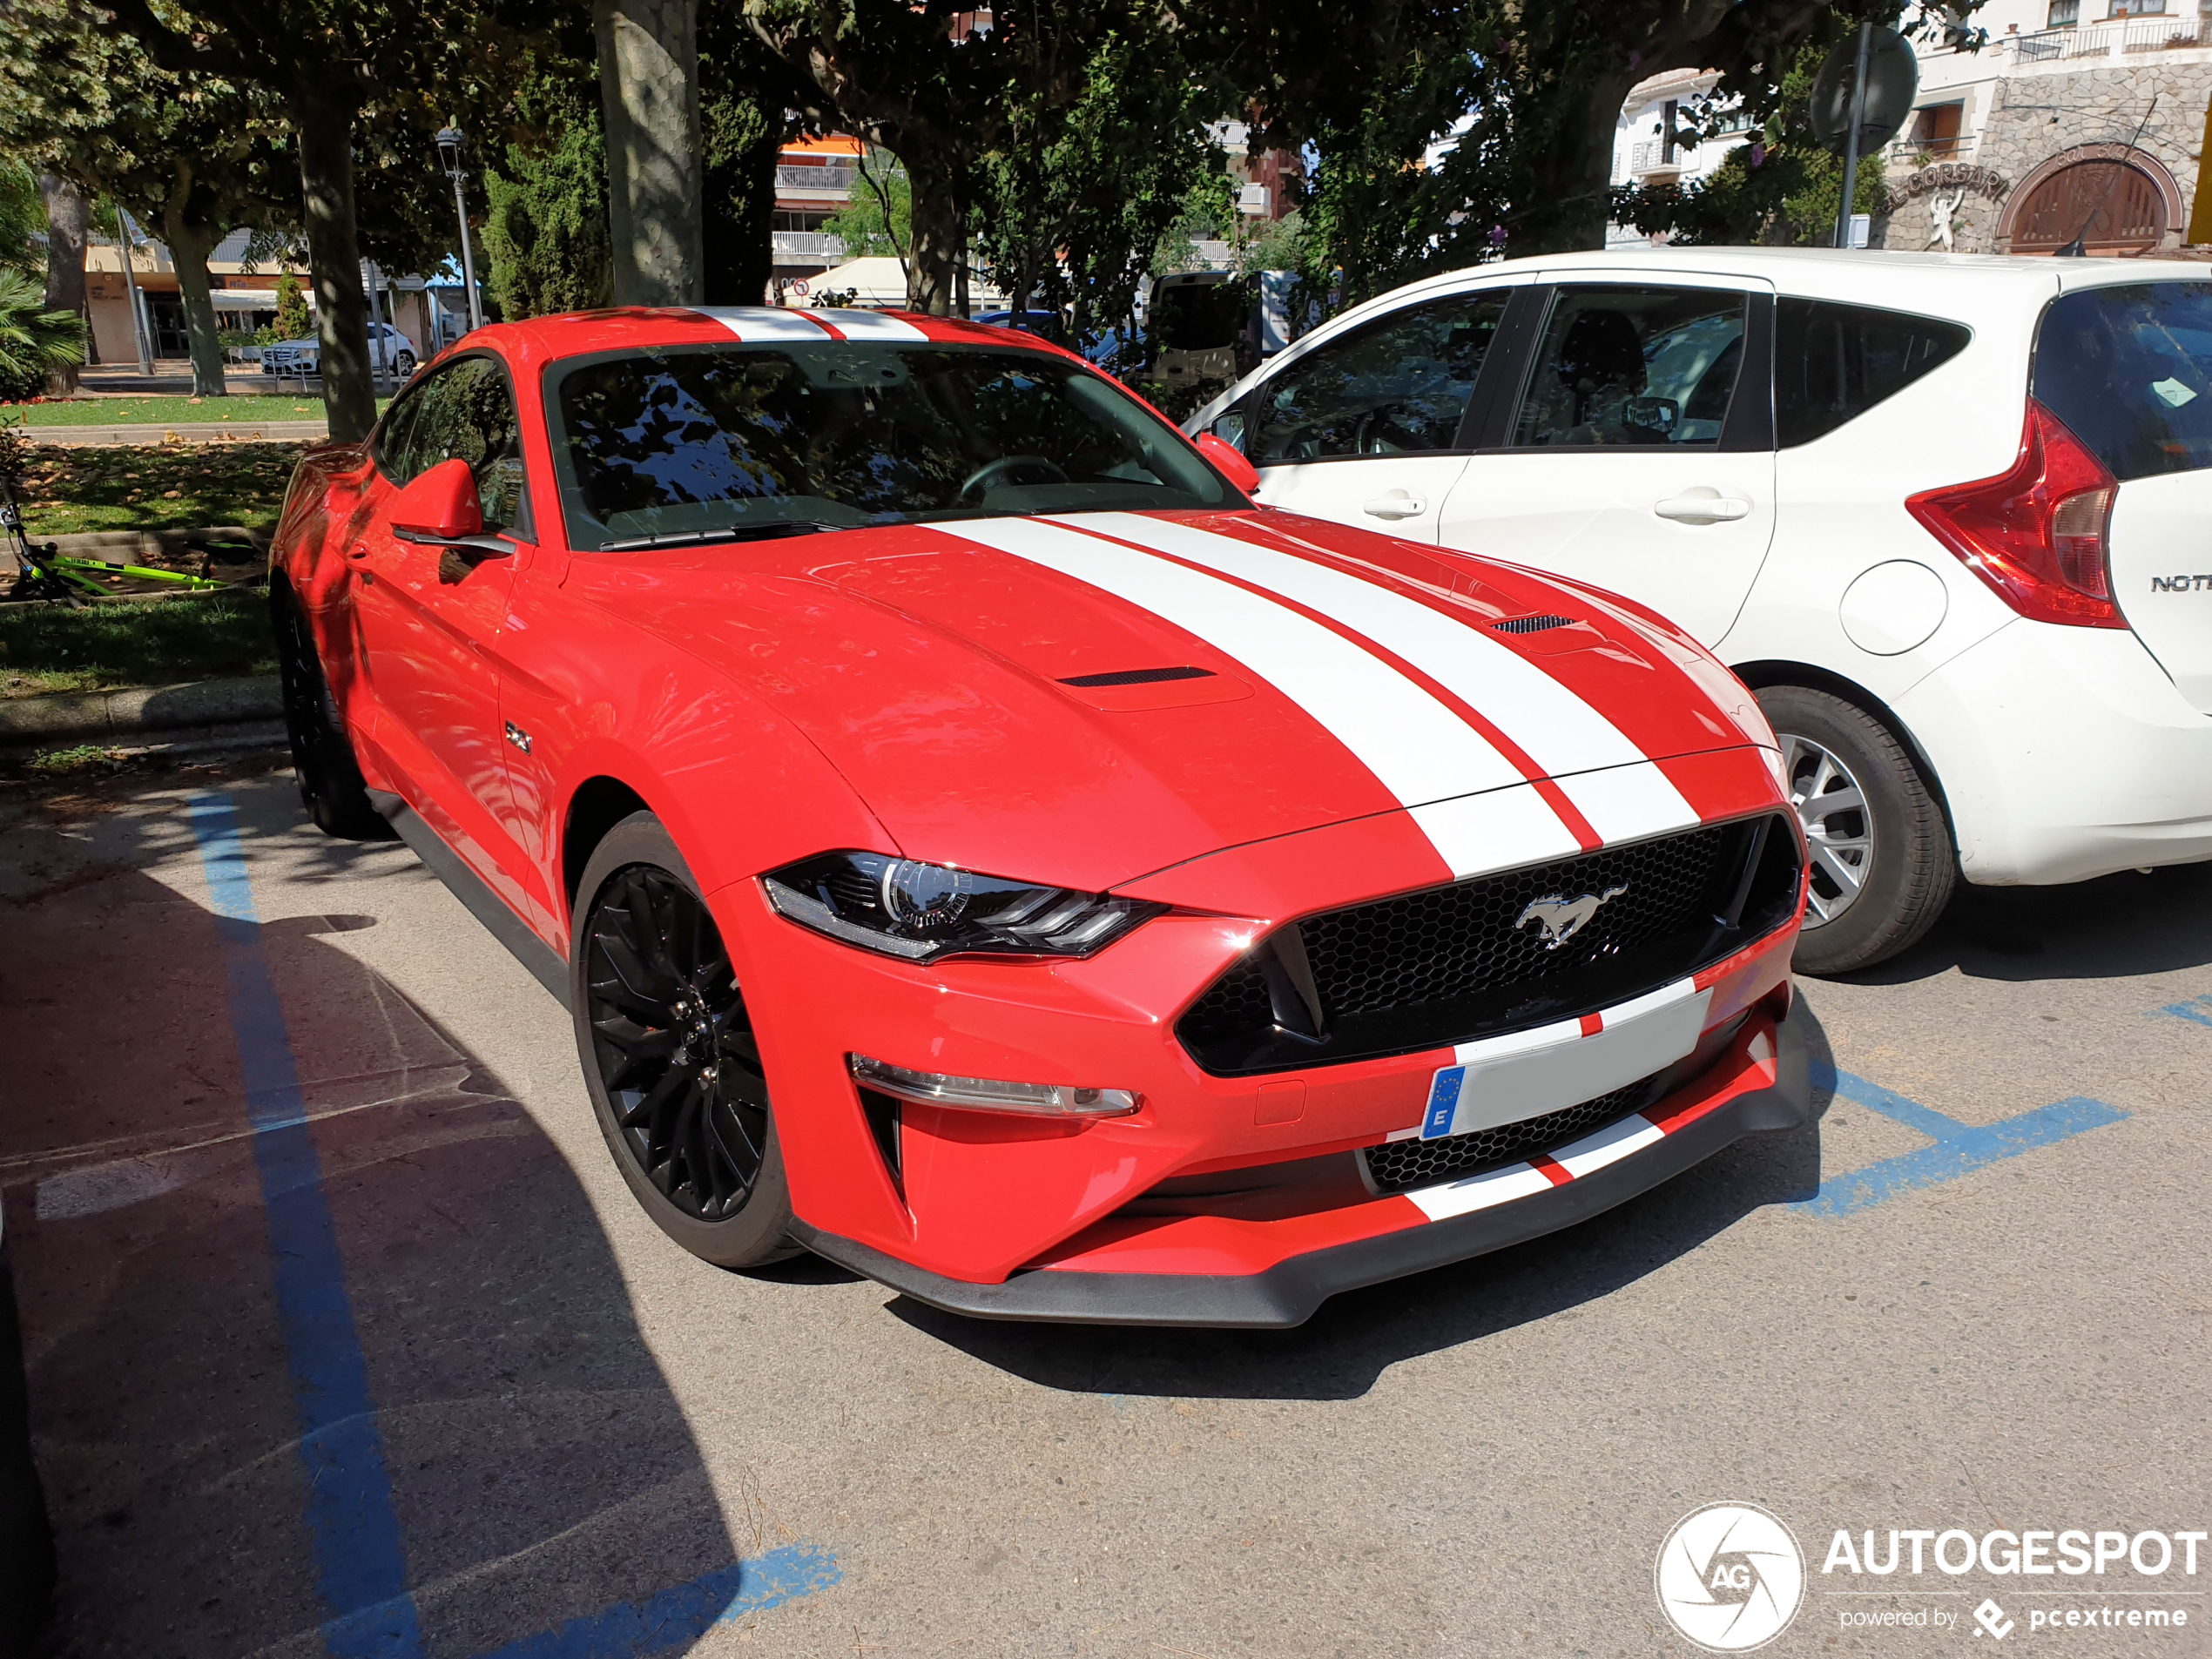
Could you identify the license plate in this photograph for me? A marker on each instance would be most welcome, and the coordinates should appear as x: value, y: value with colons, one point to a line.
x: 1504, y: 1080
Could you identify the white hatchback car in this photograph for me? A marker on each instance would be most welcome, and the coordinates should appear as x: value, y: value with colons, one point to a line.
x: 1946, y: 515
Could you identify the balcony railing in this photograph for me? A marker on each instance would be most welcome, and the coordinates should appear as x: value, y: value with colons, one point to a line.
x: 1921, y: 151
x: 837, y: 179
x: 1650, y: 156
x: 2137, y: 35
x: 2157, y: 34
x: 806, y: 247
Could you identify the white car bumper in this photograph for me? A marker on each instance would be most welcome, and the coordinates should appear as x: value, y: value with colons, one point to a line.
x: 2064, y: 753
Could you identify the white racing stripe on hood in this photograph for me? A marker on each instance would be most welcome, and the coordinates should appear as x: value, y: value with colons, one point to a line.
x: 765, y: 323
x: 1555, y: 728
x: 1417, y: 747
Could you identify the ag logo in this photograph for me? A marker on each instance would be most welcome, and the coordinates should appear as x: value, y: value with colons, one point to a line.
x: 1730, y: 1577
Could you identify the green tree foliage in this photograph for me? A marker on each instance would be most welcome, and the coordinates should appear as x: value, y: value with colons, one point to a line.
x: 545, y: 217
x: 22, y: 216
x: 34, y: 341
x: 877, y: 219
x: 361, y: 84
x: 291, y: 308
x: 1074, y: 200
x: 1780, y: 187
x: 746, y: 93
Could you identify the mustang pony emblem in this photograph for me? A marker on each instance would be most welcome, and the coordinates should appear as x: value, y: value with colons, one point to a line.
x: 1561, y: 918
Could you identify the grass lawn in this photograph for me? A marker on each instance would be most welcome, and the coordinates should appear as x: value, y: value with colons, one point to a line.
x: 164, y: 411
x: 152, y: 487
x: 158, y: 641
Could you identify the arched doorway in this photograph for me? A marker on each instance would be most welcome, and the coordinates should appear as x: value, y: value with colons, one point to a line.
x: 2113, y: 199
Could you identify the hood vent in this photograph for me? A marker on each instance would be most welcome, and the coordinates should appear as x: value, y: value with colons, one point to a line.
x: 1138, y: 677
x: 1532, y: 624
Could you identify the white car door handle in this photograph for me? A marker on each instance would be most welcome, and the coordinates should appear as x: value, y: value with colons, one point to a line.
x: 1702, y: 507
x: 1394, y: 503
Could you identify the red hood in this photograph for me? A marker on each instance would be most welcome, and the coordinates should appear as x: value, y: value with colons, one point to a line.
x: 1321, y: 674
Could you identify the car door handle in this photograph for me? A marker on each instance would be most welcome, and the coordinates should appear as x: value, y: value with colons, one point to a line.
x: 1702, y: 507
x: 1394, y: 503
x: 358, y: 551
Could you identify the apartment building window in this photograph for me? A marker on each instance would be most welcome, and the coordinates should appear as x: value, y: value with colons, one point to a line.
x: 2137, y: 8
x: 2065, y: 13
x: 1667, y: 130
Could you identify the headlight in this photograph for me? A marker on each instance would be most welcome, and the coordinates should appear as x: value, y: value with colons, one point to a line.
x: 924, y: 911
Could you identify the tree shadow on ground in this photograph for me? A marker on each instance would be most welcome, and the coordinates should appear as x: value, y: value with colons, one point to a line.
x: 1357, y: 1336
x: 539, y: 1468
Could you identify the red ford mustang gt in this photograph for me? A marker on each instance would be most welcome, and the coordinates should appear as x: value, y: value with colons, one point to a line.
x: 978, y: 846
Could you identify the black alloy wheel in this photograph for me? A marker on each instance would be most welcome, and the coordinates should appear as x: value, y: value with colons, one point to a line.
x: 670, y: 1056
x: 323, y: 763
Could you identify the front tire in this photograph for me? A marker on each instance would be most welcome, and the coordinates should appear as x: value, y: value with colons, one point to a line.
x: 1883, y: 861
x: 323, y: 763
x: 670, y: 1059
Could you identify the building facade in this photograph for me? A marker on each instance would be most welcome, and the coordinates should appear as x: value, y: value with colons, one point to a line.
x: 2079, y: 120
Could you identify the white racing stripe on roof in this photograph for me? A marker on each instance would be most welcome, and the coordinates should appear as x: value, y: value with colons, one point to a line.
x: 763, y: 322
x: 1418, y: 748
x: 1556, y: 729
x: 868, y: 325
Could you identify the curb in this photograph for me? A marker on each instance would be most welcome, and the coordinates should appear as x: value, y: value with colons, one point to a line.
x: 155, y: 435
x: 85, y: 715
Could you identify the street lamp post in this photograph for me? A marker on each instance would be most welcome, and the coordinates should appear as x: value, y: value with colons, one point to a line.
x: 449, y: 143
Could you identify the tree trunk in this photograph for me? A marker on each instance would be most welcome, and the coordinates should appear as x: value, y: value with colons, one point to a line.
x: 649, y: 85
x: 1573, y: 190
x: 934, y: 244
x: 69, y: 217
x: 190, y: 243
x: 325, y: 135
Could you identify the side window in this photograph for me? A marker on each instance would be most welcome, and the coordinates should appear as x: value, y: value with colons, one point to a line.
x: 467, y: 412
x: 1398, y: 387
x: 392, y: 434
x: 1634, y: 365
x: 1834, y: 362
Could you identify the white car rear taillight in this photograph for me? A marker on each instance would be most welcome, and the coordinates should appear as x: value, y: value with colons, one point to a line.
x: 2036, y: 532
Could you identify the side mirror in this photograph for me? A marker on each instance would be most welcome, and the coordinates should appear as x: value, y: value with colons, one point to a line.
x: 442, y: 507
x: 1228, y: 463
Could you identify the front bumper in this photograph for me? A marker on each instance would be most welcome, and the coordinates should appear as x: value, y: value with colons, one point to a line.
x: 1760, y: 1086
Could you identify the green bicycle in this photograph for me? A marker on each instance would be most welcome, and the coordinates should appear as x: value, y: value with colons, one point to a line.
x: 44, y: 572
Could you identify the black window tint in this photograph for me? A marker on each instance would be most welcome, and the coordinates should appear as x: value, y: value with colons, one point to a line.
x: 1834, y: 362
x: 2128, y: 370
x: 391, y: 437
x: 1634, y: 365
x: 698, y: 443
x: 1398, y: 387
x: 467, y: 411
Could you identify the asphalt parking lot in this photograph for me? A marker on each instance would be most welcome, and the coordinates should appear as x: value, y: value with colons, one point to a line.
x: 344, y: 1335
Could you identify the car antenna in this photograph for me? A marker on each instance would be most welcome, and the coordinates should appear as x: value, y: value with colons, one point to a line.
x: 2077, y: 249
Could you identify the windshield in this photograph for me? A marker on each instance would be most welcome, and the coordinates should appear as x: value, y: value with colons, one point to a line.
x: 698, y: 443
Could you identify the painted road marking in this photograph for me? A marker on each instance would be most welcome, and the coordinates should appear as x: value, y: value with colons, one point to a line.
x: 1958, y: 1149
x: 359, y: 1563
x: 360, y: 1560
x: 2196, y: 1011
x: 684, y: 1612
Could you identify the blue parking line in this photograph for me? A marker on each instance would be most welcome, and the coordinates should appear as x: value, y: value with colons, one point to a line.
x: 682, y: 1614
x: 2194, y: 1011
x: 360, y: 1567
x: 1959, y: 1148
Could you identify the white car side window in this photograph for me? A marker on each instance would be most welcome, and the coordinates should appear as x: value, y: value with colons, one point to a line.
x: 1622, y: 366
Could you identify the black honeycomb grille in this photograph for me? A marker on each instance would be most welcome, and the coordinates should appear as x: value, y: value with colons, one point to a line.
x: 1452, y: 963
x: 1406, y: 1166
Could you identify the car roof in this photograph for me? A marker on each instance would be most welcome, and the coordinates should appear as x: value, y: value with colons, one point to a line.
x: 543, y: 339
